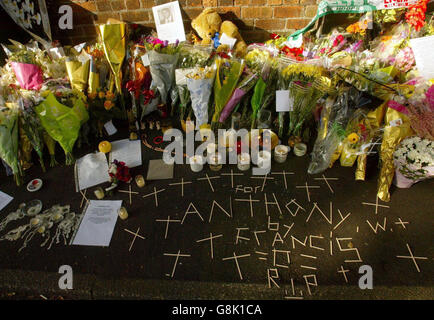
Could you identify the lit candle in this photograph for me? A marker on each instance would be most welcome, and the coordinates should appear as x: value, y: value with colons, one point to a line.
x: 99, y: 193
x: 300, y: 149
x: 196, y: 163
x: 243, y: 161
x: 123, y: 213
x: 140, y: 181
x: 281, y: 153
x: 215, y: 162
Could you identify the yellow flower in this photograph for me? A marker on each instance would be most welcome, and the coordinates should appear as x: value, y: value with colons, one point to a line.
x: 108, y: 104
x: 101, y: 95
x: 353, y: 138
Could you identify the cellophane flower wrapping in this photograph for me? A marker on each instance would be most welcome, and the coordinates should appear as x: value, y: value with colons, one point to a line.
x: 162, y: 69
x: 200, y: 83
x: 9, y: 141
x: 62, y: 123
x: 414, y: 161
x: 29, y: 76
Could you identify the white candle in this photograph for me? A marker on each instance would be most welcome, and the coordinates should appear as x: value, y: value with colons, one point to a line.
x: 243, y: 161
x: 99, y: 193
x: 196, y: 163
x: 123, y: 213
x: 215, y: 161
x: 281, y: 153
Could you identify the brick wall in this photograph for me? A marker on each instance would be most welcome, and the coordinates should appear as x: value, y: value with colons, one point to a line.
x: 256, y: 19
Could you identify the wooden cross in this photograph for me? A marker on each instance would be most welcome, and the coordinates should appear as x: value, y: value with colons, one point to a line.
x: 155, y: 193
x: 177, y: 255
x: 250, y: 200
x: 307, y: 189
x: 211, y: 237
x: 402, y: 223
x: 135, y: 236
x: 209, y: 180
x: 412, y: 257
x: 326, y: 181
x: 168, y: 221
x: 375, y: 204
x: 266, y: 177
x: 232, y: 174
x: 235, y: 257
x: 129, y: 191
x: 344, y: 273
x: 182, y: 183
x: 84, y: 197
x: 284, y: 174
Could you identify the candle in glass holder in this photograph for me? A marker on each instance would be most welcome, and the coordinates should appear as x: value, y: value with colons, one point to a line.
x: 300, y: 149
x: 196, y: 163
x: 281, y: 153
x: 140, y: 181
x: 243, y: 162
x: 264, y: 159
x: 215, y: 161
x: 123, y: 213
x: 99, y: 193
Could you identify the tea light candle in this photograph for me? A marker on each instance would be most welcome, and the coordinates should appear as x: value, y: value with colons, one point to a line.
x: 264, y: 159
x: 99, y: 193
x: 123, y: 213
x: 215, y: 161
x: 281, y: 153
x: 140, y: 181
x: 196, y: 163
x: 300, y: 149
x: 243, y: 162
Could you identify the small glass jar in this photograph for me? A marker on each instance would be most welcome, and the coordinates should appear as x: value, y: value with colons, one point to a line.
x: 300, y: 149
x: 264, y: 119
x: 281, y: 153
x: 123, y: 213
x: 140, y: 181
x: 243, y: 162
x: 99, y: 193
x: 196, y: 163
x: 215, y: 161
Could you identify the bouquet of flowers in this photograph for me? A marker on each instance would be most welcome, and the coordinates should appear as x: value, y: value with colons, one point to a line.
x: 261, y: 92
x: 62, y: 123
x: 28, y: 73
x: 421, y: 112
x: 247, y: 82
x: 227, y: 76
x: 163, y: 58
x: 199, y: 83
x: 9, y: 141
x: 414, y: 161
x: 118, y: 171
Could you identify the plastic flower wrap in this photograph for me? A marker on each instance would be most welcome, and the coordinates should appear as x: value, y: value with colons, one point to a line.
x: 200, y: 84
x: 397, y: 128
x: 62, y: 123
x: 9, y: 141
x: 163, y: 58
x: 247, y: 82
x: 27, y: 71
x: 78, y: 70
x: 228, y: 73
x: 259, y: 55
x: 404, y: 60
x: 113, y: 40
x: 421, y: 112
x: 98, y: 69
x: 414, y: 161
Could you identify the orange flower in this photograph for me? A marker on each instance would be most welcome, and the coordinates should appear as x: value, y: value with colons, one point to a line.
x: 108, y: 104
x: 110, y: 95
x: 92, y: 95
x: 101, y: 94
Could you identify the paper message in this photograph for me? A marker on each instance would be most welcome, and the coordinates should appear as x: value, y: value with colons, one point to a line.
x: 110, y: 128
x: 423, y: 49
x: 282, y: 101
x: 91, y: 170
x: 127, y: 151
x: 4, y: 200
x: 168, y: 21
x: 225, y: 39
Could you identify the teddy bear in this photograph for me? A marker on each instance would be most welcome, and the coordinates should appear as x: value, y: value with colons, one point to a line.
x: 208, y: 23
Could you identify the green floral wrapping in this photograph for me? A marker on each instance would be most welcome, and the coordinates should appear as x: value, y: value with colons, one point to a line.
x: 256, y: 101
x: 62, y: 123
x: 9, y: 141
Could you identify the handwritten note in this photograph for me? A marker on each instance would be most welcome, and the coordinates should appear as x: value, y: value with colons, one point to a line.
x: 127, y: 151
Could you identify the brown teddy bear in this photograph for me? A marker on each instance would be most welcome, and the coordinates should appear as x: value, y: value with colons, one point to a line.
x: 208, y: 23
